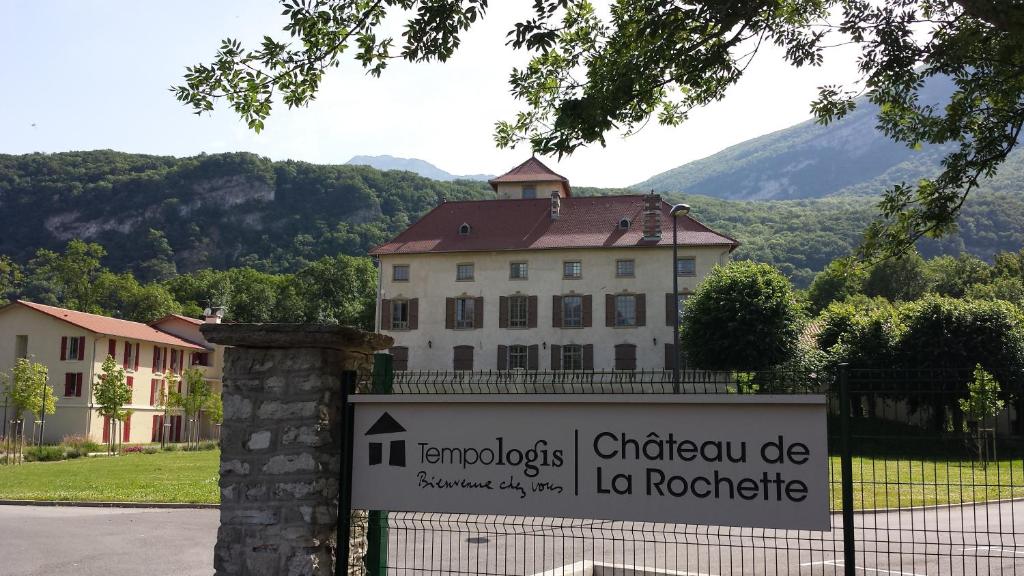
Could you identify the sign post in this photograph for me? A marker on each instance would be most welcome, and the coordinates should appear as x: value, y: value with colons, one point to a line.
x: 732, y: 460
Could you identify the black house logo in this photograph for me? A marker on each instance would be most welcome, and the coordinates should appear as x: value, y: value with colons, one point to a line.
x: 386, y: 424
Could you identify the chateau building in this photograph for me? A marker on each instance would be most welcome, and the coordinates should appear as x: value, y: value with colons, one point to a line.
x: 73, y: 346
x: 541, y: 280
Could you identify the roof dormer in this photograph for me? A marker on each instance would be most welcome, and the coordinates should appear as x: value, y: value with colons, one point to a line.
x: 531, y: 179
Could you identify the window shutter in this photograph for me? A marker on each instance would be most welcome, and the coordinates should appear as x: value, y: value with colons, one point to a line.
x: 588, y: 356
x: 502, y: 312
x: 669, y: 348
x: 81, y: 347
x: 127, y: 351
x: 138, y: 347
x: 163, y: 360
x: 625, y: 357
x: 127, y: 429
x: 670, y: 309
x: 385, y: 314
x: 478, y: 312
x: 156, y: 358
x: 502, y: 357
x: 63, y: 347
x: 106, y: 428
x: 588, y: 311
x: 112, y: 349
x: 174, y: 360
x: 130, y: 381
x: 556, y: 357
x: 641, y: 309
x: 414, y: 313
x: 556, y: 311
x: 531, y: 312
x: 69, y: 384
x: 156, y: 428
x: 609, y: 310
x: 78, y: 384
x: 152, y: 392
x: 449, y: 313
x: 533, y: 357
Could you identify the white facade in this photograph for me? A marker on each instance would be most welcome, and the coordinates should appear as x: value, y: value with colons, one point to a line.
x: 429, y: 344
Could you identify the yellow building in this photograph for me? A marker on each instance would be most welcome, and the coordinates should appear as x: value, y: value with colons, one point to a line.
x: 541, y: 280
x: 73, y: 345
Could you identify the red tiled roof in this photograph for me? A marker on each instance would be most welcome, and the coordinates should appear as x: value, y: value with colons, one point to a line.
x: 188, y: 319
x: 109, y: 326
x: 588, y: 222
x: 532, y: 170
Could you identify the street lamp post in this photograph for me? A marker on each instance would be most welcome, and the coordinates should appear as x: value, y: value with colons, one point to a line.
x: 676, y: 211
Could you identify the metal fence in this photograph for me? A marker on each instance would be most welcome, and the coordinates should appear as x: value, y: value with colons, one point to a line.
x: 920, y: 485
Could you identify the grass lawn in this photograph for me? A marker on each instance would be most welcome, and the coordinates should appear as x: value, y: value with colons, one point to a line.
x: 192, y: 477
x: 164, y: 477
x: 898, y: 483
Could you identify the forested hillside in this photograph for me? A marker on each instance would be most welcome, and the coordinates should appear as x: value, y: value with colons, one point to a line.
x: 157, y: 216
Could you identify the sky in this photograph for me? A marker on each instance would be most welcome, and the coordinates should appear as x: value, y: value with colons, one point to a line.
x: 92, y: 74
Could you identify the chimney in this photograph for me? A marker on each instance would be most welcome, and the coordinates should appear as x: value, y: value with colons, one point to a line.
x: 556, y: 206
x: 652, y: 217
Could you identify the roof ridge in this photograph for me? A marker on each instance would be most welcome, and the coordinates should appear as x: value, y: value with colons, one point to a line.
x: 33, y: 304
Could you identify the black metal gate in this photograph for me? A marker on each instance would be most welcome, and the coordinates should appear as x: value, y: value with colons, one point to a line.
x: 920, y: 485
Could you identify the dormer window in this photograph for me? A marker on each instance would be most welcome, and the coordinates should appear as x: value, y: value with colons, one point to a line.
x: 624, y: 224
x: 464, y: 230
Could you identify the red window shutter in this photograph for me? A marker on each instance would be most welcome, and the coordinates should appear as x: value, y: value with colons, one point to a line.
x: 138, y: 348
x: 69, y: 384
x: 81, y: 347
x: 106, y: 428
x: 131, y: 382
x: 63, y: 347
x: 127, y: 352
x: 78, y: 384
x: 152, y: 392
x: 156, y: 358
x: 174, y: 359
x: 127, y: 429
x: 163, y: 360
x: 112, y: 349
x: 179, y: 386
x: 156, y: 427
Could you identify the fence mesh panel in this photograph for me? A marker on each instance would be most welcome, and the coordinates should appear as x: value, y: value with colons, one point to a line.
x: 936, y: 491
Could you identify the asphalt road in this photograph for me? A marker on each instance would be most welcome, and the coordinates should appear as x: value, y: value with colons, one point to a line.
x: 963, y: 540
x: 37, y: 540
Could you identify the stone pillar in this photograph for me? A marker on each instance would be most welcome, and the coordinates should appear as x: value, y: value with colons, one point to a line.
x: 281, y: 443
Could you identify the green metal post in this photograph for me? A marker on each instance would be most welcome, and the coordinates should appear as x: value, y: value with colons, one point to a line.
x: 846, y: 459
x: 376, y: 558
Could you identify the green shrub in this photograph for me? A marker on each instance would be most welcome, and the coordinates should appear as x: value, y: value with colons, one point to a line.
x: 171, y: 448
x: 209, y: 445
x: 82, y: 445
x: 44, y: 453
x: 150, y: 449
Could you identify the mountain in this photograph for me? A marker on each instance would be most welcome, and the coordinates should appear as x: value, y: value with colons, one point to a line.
x: 809, y: 160
x: 415, y: 165
x: 238, y: 209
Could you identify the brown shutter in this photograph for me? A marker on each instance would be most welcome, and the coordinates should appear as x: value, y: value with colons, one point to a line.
x: 533, y: 357
x: 81, y: 347
x: 127, y: 351
x: 138, y: 349
x: 449, y: 313
x: 63, y: 347
x: 414, y: 314
x: 78, y: 384
x: 556, y: 311
x: 400, y: 358
x: 670, y: 308
x: 502, y: 312
x: 625, y: 357
x: 609, y: 310
x: 163, y: 360
x: 502, y: 357
x: 112, y: 348
x: 588, y: 311
x: 641, y: 309
x: 588, y: 356
x: 556, y: 357
x: 669, y: 348
x: 531, y: 312
x: 463, y: 358
x: 385, y: 314
x: 478, y: 312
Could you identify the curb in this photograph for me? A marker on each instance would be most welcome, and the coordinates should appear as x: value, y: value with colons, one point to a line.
x: 157, y: 505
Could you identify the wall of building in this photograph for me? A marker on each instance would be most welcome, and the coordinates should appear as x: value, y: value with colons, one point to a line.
x: 432, y: 279
x: 511, y: 191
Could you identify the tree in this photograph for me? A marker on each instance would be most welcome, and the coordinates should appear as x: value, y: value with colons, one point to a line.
x: 160, y: 266
x: 838, y: 281
x: 111, y: 394
x: 339, y: 290
x: 743, y: 316
x: 192, y: 401
x: 897, y: 279
x: 949, y: 276
x: 591, y: 75
x: 27, y: 387
x: 67, y: 279
x: 10, y: 279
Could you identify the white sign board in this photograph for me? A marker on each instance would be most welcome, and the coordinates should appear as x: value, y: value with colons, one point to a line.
x: 729, y: 460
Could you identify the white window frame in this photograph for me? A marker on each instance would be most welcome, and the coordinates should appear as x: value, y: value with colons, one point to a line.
x: 394, y: 272
x: 396, y: 323
x: 622, y: 318
x: 520, y: 304
x: 459, y: 268
x: 72, y: 351
x: 632, y: 268
x: 572, y: 352
x: 518, y: 357
x: 579, y: 271
x: 690, y: 259
x: 465, y: 307
x: 525, y: 270
x: 565, y: 308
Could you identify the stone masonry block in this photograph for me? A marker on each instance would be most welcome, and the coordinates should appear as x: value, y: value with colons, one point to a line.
x: 276, y: 410
x: 259, y: 440
x: 290, y: 463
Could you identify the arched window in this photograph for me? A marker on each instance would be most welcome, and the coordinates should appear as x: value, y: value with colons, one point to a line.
x: 624, y: 224
x: 464, y: 230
